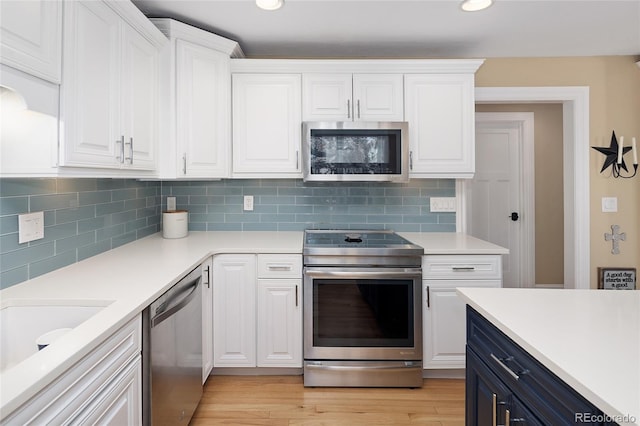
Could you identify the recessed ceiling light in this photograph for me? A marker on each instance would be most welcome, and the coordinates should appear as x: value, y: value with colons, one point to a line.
x: 269, y: 4
x: 475, y: 5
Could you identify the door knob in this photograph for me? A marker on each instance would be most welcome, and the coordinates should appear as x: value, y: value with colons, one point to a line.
x: 514, y: 216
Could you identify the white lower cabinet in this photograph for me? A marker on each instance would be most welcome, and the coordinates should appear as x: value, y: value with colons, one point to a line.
x: 104, y: 387
x: 444, y: 316
x: 257, y: 312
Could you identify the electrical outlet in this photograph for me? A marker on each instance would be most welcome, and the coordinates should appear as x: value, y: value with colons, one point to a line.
x: 442, y: 204
x: 248, y: 203
x: 171, y: 203
x: 30, y: 227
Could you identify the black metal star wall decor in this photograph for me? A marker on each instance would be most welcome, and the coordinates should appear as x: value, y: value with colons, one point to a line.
x: 612, y: 154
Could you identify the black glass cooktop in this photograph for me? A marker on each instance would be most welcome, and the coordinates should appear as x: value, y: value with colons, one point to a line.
x: 354, y: 239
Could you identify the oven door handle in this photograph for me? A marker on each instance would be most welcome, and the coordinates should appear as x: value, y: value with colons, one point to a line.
x: 364, y: 273
x: 389, y: 368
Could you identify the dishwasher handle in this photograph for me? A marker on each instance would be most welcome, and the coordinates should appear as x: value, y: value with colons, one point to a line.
x: 162, y: 313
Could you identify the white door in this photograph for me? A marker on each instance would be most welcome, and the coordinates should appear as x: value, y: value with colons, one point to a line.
x: 500, y: 196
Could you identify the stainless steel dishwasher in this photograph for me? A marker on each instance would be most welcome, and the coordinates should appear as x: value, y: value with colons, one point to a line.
x: 172, y: 353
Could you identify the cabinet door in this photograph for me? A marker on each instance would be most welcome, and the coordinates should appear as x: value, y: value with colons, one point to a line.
x: 327, y: 97
x: 378, y: 97
x: 31, y: 37
x: 139, y: 98
x: 486, y: 396
x: 440, y: 110
x: 279, y: 325
x: 234, y: 310
x: 203, y: 120
x: 91, y: 86
x: 266, y: 125
x: 207, y: 318
x: 444, y: 322
x: 120, y: 403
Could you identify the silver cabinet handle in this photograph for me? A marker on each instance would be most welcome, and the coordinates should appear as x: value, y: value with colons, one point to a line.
x: 348, y: 108
x: 504, y: 366
x: 410, y: 160
x: 130, y: 143
x: 208, y: 275
x: 358, y: 107
x: 184, y: 163
x: 428, y: 298
x: 494, y: 410
x: 120, y: 142
x: 279, y: 267
x: 296, y: 295
x: 297, y: 160
x: 463, y: 268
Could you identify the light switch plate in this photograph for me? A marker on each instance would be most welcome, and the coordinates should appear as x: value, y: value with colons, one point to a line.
x: 442, y: 204
x: 609, y: 204
x: 248, y: 203
x: 171, y: 203
x: 30, y: 227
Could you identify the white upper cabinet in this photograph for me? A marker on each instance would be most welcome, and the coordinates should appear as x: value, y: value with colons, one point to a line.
x: 266, y: 125
x: 440, y: 112
x: 31, y: 37
x: 196, y: 102
x: 352, y: 97
x: 203, y: 116
x: 109, y: 95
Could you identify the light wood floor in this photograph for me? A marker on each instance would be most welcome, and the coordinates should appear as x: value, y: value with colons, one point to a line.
x: 283, y: 401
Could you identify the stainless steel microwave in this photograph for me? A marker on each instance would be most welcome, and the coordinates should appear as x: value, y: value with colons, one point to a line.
x: 355, y: 151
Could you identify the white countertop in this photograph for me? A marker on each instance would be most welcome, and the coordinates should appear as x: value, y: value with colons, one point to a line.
x: 588, y: 338
x: 452, y: 243
x: 130, y: 277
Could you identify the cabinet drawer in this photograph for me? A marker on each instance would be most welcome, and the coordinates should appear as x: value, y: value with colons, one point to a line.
x: 547, y: 396
x: 279, y: 266
x: 462, y: 267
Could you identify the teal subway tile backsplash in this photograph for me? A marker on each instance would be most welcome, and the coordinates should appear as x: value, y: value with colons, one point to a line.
x: 86, y: 217
x: 82, y: 217
x: 293, y: 205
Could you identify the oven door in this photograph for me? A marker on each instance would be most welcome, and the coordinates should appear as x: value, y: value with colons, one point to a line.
x: 362, y: 313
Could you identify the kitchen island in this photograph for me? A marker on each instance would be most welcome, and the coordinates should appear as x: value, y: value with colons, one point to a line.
x: 590, y: 339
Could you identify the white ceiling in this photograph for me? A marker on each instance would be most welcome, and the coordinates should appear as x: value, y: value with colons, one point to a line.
x: 415, y: 28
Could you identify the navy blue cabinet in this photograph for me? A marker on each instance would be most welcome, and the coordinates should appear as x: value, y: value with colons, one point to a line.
x: 507, y: 386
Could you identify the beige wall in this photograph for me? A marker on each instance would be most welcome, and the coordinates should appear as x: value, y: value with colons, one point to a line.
x: 549, y: 223
x: 614, y: 104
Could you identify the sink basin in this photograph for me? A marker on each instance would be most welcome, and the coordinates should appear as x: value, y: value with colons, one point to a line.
x: 23, y: 321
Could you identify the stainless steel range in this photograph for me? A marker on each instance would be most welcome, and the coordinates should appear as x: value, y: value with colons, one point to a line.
x: 362, y: 309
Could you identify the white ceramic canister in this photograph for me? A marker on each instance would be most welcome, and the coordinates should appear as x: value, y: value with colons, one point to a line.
x: 175, y: 224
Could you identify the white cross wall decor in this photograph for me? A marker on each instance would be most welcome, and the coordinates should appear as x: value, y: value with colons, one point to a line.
x: 615, y: 237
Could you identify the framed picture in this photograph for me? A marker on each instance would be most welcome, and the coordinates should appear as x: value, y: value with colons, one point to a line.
x: 617, y: 278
